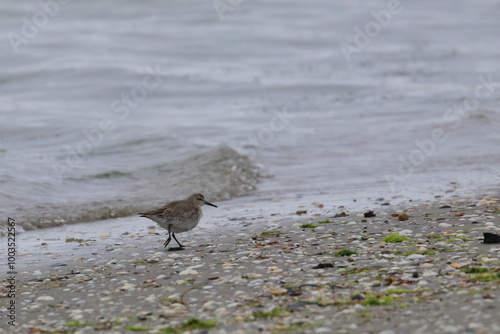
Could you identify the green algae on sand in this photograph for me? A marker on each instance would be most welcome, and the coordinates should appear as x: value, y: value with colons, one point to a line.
x: 395, y: 238
x: 309, y: 226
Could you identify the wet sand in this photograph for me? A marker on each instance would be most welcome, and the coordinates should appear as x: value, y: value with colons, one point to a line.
x: 267, y: 273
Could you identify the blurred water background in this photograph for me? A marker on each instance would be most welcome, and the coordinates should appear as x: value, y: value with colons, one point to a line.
x: 110, y: 107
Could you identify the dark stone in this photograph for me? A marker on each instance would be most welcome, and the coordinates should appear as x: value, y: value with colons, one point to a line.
x: 386, y: 203
x: 415, y: 274
x: 475, y: 223
x: 324, y: 265
x: 358, y: 297
x: 491, y: 238
x: 445, y: 207
x: 294, y: 293
x: 58, y: 265
x: 369, y: 214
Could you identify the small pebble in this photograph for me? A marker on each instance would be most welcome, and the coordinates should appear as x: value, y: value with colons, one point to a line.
x: 44, y: 299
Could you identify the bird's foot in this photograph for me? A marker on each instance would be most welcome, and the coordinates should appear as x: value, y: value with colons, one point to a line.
x: 172, y: 249
x: 166, y: 243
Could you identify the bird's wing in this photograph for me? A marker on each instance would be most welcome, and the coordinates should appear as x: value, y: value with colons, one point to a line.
x: 178, y: 211
x: 156, y: 212
x: 171, y: 210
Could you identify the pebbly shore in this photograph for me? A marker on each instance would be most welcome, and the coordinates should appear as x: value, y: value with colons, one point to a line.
x: 413, y: 268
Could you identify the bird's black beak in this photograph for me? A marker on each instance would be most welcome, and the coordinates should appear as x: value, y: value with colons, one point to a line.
x: 208, y: 203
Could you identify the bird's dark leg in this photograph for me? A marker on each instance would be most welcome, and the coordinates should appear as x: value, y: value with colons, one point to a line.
x: 169, y: 238
x: 181, y: 246
x: 170, y: 235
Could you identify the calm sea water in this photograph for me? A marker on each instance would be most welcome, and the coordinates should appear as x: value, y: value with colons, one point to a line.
x: 110, y: 107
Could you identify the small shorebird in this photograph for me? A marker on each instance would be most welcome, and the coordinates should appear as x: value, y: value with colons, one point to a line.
x: 178, y: 216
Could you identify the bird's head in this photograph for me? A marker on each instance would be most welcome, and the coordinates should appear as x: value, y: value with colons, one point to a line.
x: 200, y: 200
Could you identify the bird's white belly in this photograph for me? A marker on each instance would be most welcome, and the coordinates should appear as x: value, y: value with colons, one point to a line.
x: 178, y: 225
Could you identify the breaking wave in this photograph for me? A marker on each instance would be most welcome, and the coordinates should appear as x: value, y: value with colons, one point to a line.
x: 220, y: 173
